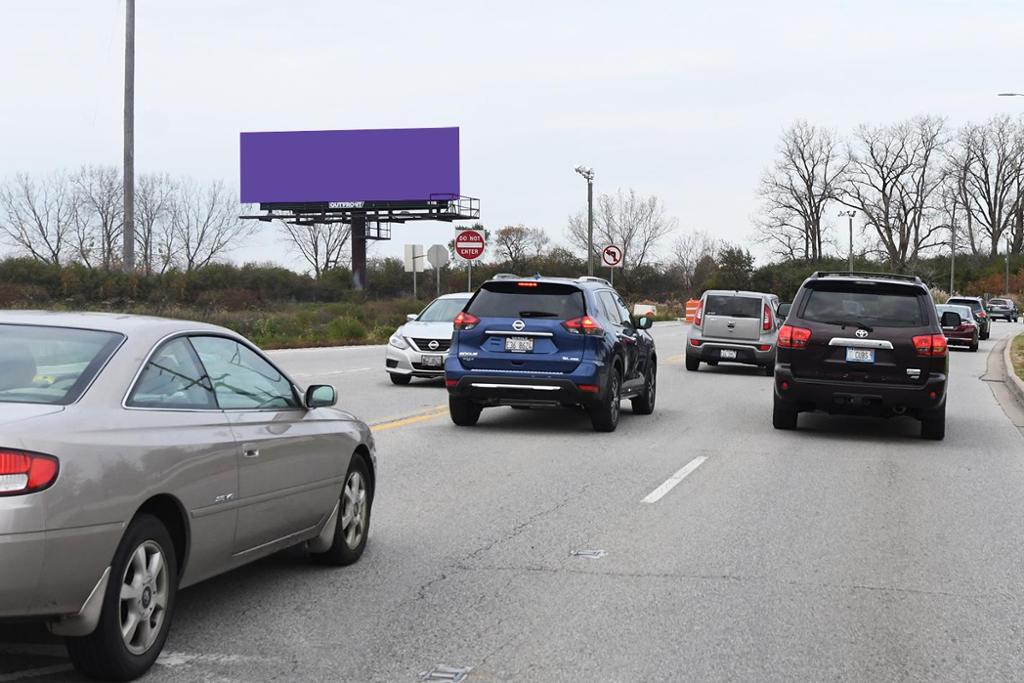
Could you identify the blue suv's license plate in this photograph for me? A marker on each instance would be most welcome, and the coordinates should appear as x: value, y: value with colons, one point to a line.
x: 519, y: 344
x: 860, y: 355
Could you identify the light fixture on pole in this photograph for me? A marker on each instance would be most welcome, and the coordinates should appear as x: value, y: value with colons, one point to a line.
x: 588, y: 173
x: 850, y: 214
x: 1010, y: 94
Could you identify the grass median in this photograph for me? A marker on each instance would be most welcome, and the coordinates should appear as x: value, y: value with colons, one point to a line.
x: 1017, y: 355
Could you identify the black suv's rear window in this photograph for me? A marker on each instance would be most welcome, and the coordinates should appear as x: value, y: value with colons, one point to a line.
x: 527, y: 299
x: 732, y: 306
x: 865, y: 305
x: 973, y: 303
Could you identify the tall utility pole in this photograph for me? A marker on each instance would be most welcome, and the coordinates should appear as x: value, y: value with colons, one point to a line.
x: 952, y: 257
x: 588, y: 173
x: 128, y: 256
x: 1006, y: 292
x: 850, y: 214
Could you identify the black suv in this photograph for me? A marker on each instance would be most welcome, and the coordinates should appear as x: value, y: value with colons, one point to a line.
x: 547, y: 341
x: 863, y: 343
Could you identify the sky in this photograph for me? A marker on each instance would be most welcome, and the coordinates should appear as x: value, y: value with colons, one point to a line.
x: 679, y: 99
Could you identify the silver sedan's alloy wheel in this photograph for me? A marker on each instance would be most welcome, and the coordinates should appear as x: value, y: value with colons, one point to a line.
x: 143, y: 603
x: 354, y: 510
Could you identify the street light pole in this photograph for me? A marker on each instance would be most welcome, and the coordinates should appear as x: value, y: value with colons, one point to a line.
x: 588, y: 174
x: 128, y: 233
x: 850, y: 214
x: 952, y: 257
x: 1007, y: 290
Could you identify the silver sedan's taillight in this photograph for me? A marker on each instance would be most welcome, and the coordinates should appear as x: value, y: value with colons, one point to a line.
x: 24, y: 472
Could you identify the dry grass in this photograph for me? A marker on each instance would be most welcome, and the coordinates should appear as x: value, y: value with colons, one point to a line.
x: 1017, y: 355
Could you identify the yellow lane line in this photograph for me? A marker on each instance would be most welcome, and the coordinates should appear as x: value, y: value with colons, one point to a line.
x: 435, y: 412
x: 676, y: 360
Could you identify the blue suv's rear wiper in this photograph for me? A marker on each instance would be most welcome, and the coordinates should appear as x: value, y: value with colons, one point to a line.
x: 537, y: 314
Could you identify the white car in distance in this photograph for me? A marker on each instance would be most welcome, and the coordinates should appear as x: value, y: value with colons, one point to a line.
x: 419, y: 347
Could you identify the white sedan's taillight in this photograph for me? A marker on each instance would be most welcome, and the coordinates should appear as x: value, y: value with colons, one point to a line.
x: 23, y: 472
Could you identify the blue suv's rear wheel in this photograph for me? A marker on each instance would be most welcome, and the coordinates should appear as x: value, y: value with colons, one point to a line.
x: 605, y: 415
x: 464, y: 412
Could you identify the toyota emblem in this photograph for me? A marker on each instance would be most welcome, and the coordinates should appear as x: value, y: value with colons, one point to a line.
x: 861, y: 333
x: 518, y: 326
x: 433, y: 345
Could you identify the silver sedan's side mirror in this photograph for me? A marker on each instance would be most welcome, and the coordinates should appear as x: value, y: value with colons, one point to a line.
x: 410, y: 317
x: 321, y: 396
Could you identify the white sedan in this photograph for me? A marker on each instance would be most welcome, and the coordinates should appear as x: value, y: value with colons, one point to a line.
x: 419, y: 347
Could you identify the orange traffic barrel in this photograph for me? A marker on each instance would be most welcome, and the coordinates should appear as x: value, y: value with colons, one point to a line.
x: 691, y: 309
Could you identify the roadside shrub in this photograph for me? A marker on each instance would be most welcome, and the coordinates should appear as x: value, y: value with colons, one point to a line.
x: 346, y: 329
x: 231, y: 299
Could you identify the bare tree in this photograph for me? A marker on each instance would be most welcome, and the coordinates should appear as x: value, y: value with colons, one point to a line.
x: 892, y: 177
x: 796, y: 190
x: 154, y: 233
x: 99, y: 215
x: 322, y: 246
x: 37, y: 217
x: 205, y: 223
x: 993, y: 165
x: 637, y: 224
x: 518, y: 243
x: 688, y: 251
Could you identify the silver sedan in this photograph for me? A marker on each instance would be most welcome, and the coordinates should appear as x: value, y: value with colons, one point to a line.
x: 142, y: 455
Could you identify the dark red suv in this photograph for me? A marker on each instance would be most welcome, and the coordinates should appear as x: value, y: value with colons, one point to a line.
x: 862, y: 343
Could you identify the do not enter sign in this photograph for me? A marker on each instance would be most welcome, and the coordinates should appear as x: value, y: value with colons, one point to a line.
x: 469, y: 244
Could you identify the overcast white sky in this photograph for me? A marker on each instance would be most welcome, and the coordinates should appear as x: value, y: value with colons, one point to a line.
x: 676, y: 98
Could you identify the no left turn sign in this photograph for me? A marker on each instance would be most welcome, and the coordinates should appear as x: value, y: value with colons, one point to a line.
x: 611, y: 256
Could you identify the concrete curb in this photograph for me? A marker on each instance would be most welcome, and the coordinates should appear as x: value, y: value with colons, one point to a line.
x: 1013, y: 382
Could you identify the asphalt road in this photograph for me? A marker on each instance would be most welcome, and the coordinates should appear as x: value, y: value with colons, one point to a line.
x: 847, y: 550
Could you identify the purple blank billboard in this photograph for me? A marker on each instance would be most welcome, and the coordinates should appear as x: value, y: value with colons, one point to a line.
x: 396, y: 164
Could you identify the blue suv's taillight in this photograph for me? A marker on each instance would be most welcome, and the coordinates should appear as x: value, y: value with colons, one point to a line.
x: 583, y: 325
x: 465, y: 321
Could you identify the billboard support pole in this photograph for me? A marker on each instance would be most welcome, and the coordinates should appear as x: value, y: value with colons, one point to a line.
x: 359, y: 253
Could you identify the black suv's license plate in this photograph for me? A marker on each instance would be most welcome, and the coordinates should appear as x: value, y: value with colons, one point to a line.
x: 519, y: 344
x: 860, y: 355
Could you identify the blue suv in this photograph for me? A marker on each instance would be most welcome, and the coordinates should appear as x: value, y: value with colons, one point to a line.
x: 547, y: 341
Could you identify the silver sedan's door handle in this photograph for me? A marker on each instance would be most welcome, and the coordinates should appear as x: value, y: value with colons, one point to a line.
x: 251, y: 453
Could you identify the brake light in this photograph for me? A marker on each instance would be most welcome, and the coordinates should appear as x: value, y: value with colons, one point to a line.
x: 527, y: 284
x: 792, y: 337
x: 22, y: 472
x: 764, y: 347
x: 696, y: 342
x: 589, y: 388
x: 465, y: 321
x: 766, y: 320
x: 451, y: 382
x: 981, y: 314
x: 698, y: 315
x: 930, y: 345
x: 584, y: 325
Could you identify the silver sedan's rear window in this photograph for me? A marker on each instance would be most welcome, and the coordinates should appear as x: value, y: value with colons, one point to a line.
x: 53, y: 365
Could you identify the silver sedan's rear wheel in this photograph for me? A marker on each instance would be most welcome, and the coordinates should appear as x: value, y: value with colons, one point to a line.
x: 353, y: 526
x: 144, y: 590
x: 138, y: 606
